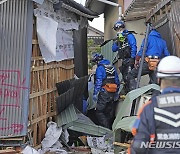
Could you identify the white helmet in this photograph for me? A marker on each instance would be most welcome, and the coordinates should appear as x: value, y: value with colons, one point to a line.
x: 169, y: 67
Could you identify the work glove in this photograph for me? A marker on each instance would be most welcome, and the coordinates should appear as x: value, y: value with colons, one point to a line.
x: 95, y: 98
x: 136, y: 64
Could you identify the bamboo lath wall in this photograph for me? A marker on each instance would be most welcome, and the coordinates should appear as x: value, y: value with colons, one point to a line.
x: 43, y: 90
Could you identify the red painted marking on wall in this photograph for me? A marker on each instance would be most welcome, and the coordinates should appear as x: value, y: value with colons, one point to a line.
x: 3, y: 77
x: 15, y: 86
x: 1, y: 111
x: 64, y: 49
x: 11, y: 87
x: 10, y: 105
x: 6, y: 75
x: 8, y: 93
x: 15, y: 127
x: 3, y: 119
x: 23, y: 82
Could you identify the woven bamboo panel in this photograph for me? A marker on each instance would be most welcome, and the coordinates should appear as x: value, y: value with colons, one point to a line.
x: 43, y: 91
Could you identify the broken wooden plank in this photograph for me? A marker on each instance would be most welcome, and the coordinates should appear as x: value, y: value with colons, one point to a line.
x: 126, y: 145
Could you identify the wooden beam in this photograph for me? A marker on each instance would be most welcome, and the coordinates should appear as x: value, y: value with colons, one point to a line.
x: 157, y: 8
x: 40, y: 93
x: 8, y: 151
x: 43, y: 117
x: 126, y: 145
x: 12, y: 139
x: 42, y: 68
x: 34, y: 41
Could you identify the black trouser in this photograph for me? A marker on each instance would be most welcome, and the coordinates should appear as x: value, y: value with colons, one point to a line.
x: 145, y: 70
x: 125, y: 69
x: 105, y: 109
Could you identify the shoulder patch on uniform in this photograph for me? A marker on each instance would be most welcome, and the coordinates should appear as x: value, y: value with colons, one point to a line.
x: 168, y: 100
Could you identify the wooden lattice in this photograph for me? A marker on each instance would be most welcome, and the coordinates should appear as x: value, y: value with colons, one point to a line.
x: 43, y: 92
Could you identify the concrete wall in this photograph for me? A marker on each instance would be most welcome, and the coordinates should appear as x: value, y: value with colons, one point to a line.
x: 139, y: 27
x: 127, y: 3
x: 111, y: 15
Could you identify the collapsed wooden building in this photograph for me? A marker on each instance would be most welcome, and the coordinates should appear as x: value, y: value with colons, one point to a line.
x: 42, y: 42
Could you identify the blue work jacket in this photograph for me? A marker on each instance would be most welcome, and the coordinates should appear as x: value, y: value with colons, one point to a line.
x: 131, y: 42
x: 156, y: 46
x: 101, y: 75
x: 148, y: 125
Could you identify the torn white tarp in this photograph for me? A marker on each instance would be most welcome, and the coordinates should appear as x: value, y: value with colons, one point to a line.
x: 52, y: 135
x: 29, y: 150
x: 46, y: 32
x: 56, y: 148
x: 3, y: 1
x: 64, y: 35
x: 66, y: 20
x: 99, y: 144
x: 65, y: 47
x: 51, y: 141
x: 38, y: 1
x: 98, y: 151
x: 66, y: 135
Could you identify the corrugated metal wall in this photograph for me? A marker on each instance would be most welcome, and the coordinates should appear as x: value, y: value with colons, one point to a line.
x: 106, y: 51
x: 175, y: 25
x: 162, y: 26
x: 166, y: 18
x: 15, y: 49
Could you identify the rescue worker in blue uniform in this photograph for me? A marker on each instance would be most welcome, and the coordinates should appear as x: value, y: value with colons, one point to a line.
x: 157, y: 128
x: 156, y: 50
x: 105, y: 90
x: 126, y: 47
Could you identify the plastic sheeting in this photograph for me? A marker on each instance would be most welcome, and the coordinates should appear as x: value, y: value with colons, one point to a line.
x: 125, y: 109
x: 52, y: 135
x: 99, y: 145
x: 55, y: 33
x: 38, y: 1
x: 51, y: 141
x: 46, y: 31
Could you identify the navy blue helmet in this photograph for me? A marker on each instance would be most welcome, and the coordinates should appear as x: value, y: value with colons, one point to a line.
x: 119, y: 24
x: 96, y: 57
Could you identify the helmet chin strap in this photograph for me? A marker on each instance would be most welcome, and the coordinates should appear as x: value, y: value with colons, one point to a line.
x: 119, y: 32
